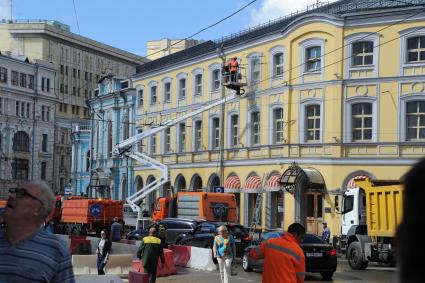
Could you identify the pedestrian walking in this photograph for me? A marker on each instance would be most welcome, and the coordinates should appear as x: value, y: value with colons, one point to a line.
x: 116, y: 230
x: 149, y: 251
x: 326, y: 233
x: 284, y: 260
x: 224, y: 250
x: 103, y: 250
x: 29, y: 253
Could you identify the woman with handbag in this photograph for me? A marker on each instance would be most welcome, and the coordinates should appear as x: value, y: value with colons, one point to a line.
x: 224, y: 250
x: 103, y: 250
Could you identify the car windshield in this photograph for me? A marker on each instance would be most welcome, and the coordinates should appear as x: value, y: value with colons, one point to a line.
x: 312, y: 239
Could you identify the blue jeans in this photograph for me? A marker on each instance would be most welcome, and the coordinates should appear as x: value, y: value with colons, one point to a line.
x: 100, y: 265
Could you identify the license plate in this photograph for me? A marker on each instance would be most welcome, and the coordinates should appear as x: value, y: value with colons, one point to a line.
x: 237, y: 240
x: 314, y: 254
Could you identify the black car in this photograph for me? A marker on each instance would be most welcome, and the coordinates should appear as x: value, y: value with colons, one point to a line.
x: 320, y: 255
x: 175, y: 227
x: 204, y: 233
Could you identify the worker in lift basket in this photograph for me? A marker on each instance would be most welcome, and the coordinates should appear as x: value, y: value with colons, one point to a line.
x: 284, y: 260
x: 233, y: 66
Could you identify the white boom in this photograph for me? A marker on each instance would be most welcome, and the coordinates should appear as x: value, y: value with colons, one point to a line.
x: 125, y: 146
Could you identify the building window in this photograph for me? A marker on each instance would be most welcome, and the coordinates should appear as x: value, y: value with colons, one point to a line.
x: 255, y: 128
x: 416, y: 49
x: 74, y: 72
x: 415, y: 112
x: 66, y: 89
x: 3, y: 75
x: 28, y: 110
x: 44, y: 143
x: 110, y: 134
x: 278, y: 65
x: 15, y: 78
x: 86, y: 76
x: 66, y: 70
x: 21, y: 142
x: 278, y: 126
x: 255, y: 73
x: 198, y: 84
x: 234, y: 130
x: 216, y: 80
x: 140, y: 144
x: 17, y: 109
x: 31, y: 82
x: 20, y: 169
x: 1, y: 105
x: 312, y: 131
x: 43, y: 113
x: 74, y: 91
x: 126, y: 130
x: 198, y: 135
x: 361, y: 121
x: 167, y: 92
x: 167, y: 140
x: 182, y: 137
x: 45, y: 84
x: 153, y: 95
x: 153, y: 145
x: 313, y: 58
x: 22, y: 109
x: 62, y: 162
x: 140, y: 95
x: 182, y: 88
x: 362, y: 53
x: 23, y: 80
x: 43, y: 170
x: 215, y: 133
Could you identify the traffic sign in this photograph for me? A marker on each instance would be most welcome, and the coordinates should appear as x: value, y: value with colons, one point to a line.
x: 218, y: 189
x: 95, y: 210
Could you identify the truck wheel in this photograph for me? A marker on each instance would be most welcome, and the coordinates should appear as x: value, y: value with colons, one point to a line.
x: 245, y: 263
x: 327, y: 275
x: 355, y: 257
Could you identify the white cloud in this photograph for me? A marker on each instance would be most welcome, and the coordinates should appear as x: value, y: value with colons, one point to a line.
x: 5, y: 9
x: 273, y: 9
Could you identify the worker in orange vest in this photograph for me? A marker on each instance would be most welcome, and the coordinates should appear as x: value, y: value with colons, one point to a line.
x: 233, y: 66
x: 284, y: 260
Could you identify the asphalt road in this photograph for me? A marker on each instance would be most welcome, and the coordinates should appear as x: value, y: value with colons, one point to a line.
x: 344, y: 274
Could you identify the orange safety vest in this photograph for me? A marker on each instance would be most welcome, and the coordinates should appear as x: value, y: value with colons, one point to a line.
x: 284, y: 260
x: 234, y: 66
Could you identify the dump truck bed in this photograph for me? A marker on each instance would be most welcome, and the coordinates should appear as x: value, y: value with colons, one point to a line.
x: 384, y: 206
x: 91, y: 210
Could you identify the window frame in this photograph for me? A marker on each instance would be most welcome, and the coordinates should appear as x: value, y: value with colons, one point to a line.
x: 302, y: 127
x: 233, y: 130
x: 304, y: 46
x: 181, y: 135
x: 272, y: 68
x: 197, y: 133
x: 348, y: 131
x: 254, y: 57
x: 357, y: 37
x: 404, y: 36
x: 402, y: 121
x: 153, y: 85
x: 3, y: 75
x: 273, y: 123
x: 215, y: 67
x: 166, y: 141
x: 212, y: 133
x: 419, y: 50
x: 252, y: 134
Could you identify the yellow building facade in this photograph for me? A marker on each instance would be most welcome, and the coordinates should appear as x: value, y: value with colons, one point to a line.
x: 333, y: 93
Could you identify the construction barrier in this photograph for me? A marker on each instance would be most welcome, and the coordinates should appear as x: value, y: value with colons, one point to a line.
x: 137, y: 277
x: 162, y: 269
x: 80, y: 246
x: 119, y: 265
x: 181, y: 255
x: 201, y: 259
x: 99, y: 279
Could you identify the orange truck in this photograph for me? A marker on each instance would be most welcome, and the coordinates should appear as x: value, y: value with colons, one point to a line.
x: 2, y: 206
x: 197, y: 205
x: 82, y: 216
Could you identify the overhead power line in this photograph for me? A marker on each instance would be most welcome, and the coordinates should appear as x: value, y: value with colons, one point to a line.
x: 204, y: 29
x: 76, y: 17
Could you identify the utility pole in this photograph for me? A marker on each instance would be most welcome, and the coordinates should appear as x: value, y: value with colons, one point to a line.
x: 223, y: 107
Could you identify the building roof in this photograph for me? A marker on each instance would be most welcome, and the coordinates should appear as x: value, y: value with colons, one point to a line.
x: 338, y: 8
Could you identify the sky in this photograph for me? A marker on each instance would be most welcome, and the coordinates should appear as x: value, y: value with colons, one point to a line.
x: 129, y: 24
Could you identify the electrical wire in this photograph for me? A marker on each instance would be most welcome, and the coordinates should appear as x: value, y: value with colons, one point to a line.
x: 76, y: 17
x: 204, y: 29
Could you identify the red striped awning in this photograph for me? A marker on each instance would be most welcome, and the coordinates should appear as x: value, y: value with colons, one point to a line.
x: 273, y: 183
x: 352, y: 183
x: 252, y: 184
x: 232, y: 184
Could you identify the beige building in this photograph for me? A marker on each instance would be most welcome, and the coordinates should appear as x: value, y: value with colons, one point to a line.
x: 78, y: 61
x: 163, y: 47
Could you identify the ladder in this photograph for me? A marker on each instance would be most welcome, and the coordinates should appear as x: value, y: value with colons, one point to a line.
x: 257, y: 209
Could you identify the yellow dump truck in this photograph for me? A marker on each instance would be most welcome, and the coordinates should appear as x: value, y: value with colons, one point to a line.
x: 371, y: 213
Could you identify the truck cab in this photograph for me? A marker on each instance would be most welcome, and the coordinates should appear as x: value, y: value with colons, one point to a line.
x: 353, y: 209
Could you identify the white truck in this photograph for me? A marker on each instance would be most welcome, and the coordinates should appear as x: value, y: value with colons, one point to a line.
x: 371, y: 213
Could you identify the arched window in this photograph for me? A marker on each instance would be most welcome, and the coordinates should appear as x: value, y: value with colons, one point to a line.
x: 21, y: 141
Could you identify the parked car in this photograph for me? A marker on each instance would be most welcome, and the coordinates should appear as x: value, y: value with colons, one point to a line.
x: 175, y: 227
x: 204, y: 233
x: 320, y: 256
